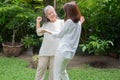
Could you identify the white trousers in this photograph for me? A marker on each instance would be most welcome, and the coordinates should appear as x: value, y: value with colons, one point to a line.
x: 60, y: 64
x: 43, y: 63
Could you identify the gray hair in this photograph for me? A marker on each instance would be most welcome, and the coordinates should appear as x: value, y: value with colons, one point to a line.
x: 44, y: 13
x: 49, y: 7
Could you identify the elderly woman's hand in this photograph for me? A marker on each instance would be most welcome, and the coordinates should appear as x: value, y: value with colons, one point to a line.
x: 39, y: 19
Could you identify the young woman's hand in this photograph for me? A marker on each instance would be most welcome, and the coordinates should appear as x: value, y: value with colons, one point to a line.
x: 82, y: 19
x: 39, y: 19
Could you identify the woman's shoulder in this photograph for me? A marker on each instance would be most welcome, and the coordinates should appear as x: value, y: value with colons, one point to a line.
x: 60, y: 20
x: 47, y: 23
x: 69, y: 21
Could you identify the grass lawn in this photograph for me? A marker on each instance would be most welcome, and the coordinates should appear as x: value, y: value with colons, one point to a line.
x: 16, y: 69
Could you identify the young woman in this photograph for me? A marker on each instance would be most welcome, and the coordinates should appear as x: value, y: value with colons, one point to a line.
x: 49, y: 44
x: 69, y: 39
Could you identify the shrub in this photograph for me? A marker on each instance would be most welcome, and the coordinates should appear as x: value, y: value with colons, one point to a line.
x: 0, y: 39
x: 28, y: 41
x: 102, y: 19
x: 15, y: 21
x: 96, y: 45
x: 35, y: 60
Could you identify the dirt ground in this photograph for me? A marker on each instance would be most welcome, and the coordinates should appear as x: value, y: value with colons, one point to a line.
x: 95, y: 61
x: 79, y: 61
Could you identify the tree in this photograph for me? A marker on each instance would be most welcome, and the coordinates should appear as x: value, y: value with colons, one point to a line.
x: 54, y: 4
x: 47, y: 2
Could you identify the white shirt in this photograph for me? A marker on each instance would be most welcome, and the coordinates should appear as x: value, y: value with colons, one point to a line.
x: 69, y: 38
x: 50, y: 44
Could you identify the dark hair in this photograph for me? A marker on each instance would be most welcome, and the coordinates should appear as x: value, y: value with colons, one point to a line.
x: 71, y: 11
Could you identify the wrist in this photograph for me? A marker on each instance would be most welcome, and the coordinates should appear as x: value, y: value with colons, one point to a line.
x: 38, y: 22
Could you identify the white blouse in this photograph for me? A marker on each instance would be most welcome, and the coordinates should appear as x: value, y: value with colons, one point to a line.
x: 49, y: 43
x: 69, y: 38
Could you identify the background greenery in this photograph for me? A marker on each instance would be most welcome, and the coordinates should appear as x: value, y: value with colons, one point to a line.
x: 102, y: 19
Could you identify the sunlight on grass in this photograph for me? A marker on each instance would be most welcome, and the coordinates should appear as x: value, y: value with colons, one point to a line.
x: 94, y: 74
x: 16, y: 69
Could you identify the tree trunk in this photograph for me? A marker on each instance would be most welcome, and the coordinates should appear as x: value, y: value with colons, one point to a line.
x: 54, y: 4
x: 47, y: 2
x: 13, y: 36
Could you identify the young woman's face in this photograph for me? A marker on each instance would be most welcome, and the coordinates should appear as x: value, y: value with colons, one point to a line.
x: 50, y: 14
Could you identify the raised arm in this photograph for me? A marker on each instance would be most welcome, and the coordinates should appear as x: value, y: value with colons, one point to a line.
x: 63, y: 30
x: 82, y: 19
x: 38, y: 28
x: 38, y: 20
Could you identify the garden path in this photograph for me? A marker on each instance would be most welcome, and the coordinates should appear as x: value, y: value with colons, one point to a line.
x: 78, y: 61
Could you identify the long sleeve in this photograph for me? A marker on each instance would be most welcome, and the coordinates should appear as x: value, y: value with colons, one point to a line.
x: 50, y: 44
x: 69, y: 37
x: 63, y: 30
x: 38, y: 31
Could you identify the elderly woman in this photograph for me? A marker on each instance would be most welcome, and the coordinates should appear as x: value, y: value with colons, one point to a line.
x: 49, y: 44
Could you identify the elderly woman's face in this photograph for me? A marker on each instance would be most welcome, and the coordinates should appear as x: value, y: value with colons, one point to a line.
x: 50, y: 14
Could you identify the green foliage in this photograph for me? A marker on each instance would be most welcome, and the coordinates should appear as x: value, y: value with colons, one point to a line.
x: 35, y: 60
x: 16, y: 19
x: 2, y: 1
x: 96, y: 45
x: 28, y: 41
x: 1, y: 39
x: 102, y: 19
x: 59, y: 7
